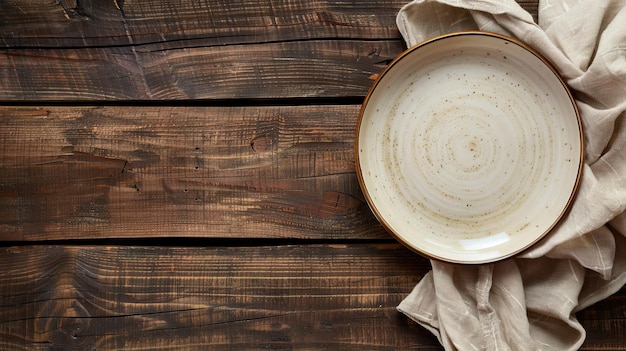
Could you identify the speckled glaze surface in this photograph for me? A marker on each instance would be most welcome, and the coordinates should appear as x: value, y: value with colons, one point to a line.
x: 469, y: 147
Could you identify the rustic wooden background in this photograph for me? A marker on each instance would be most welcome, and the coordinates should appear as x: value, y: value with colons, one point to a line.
x: 180, y: 175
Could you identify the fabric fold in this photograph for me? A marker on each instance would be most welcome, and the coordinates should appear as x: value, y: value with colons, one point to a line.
x: 529, y: 302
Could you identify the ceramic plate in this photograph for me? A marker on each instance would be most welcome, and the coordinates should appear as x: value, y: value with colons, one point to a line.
x: 469, y: 147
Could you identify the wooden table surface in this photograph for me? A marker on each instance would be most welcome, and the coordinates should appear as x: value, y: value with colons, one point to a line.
x: 180, y: 175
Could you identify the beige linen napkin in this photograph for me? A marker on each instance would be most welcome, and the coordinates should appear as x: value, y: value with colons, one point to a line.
x: 529, y: 302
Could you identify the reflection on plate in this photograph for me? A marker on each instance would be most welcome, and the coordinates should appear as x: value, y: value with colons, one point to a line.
x: 469, y: 147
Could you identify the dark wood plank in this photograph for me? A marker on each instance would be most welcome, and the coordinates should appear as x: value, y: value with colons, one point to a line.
x: 314, y: 297
x: 234, y: 172
x: 71, y: 23
x: 311, y: 297
x: 604, y: 323
x: 124, y: 50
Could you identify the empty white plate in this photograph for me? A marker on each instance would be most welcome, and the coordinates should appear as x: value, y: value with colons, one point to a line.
x: 469, y: 147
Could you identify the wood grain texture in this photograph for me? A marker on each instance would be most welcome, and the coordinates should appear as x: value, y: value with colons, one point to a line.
x: 312, y: 297
x: 71, y: 23
x: 304, y: 297
x: 125, y: 50
x: 234, y: 172
x: 605, y: 323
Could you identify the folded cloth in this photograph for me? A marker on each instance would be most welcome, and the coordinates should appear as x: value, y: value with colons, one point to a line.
x: 529, y: 302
